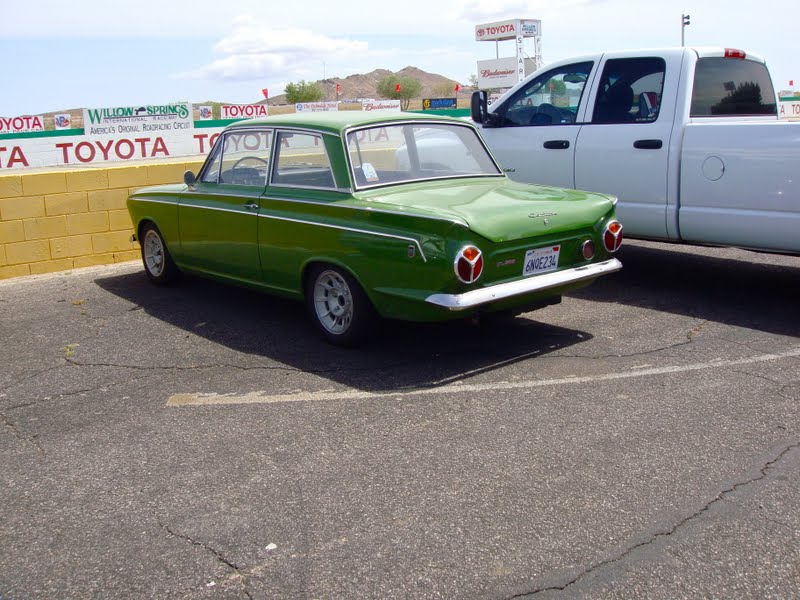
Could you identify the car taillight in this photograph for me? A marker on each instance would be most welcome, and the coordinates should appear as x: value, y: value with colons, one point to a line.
x: 587, y: 250
x: 468, y: 264
x: 612, y: 236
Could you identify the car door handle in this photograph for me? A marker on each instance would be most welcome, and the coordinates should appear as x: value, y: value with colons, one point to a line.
x: 252, y: 206
x: 648, y: 144
x: 556, y: 144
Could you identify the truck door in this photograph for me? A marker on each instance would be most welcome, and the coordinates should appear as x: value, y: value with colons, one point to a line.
x: 532, y: 133
x: 739, y: 165
x: 624, y: 150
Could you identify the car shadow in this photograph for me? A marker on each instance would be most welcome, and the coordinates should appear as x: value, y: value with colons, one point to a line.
x: 401, y: 356
x: 735, y: 287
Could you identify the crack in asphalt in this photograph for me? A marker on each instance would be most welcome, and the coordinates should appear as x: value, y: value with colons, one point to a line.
x: 786, y: 387
x: 28, y: 378
x: 721, y: 496
x: 783, y: 386
x: 225, y: 366
x: 103, y: 386
x: 690, y: 335
x: 631, y: 355
x: 8, y: 423
x: 239, y: 577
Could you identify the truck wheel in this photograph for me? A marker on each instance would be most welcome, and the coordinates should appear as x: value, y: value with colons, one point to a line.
x: 158, y: 263
x: 339, y: 308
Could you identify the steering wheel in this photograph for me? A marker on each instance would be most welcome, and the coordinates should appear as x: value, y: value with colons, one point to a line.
x: 245, y: 158
x: 546, y: 114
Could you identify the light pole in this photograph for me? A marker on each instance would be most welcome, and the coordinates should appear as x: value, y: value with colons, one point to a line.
x: 684, y: 23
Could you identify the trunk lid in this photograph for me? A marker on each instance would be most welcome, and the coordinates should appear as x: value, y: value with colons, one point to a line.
x: 498, y: 209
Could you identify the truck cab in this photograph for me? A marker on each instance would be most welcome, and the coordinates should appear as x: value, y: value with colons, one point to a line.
x: 617, y: 123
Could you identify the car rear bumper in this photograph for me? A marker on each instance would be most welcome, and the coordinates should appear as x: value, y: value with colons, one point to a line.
x: 538, y: 283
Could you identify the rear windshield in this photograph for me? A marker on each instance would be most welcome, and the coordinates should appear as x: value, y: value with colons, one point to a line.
x: 400, y: 153
x: 729, y: 86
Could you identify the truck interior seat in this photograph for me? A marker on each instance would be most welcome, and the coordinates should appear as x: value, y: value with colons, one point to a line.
x: 615, y: 105
x: 648, y: 106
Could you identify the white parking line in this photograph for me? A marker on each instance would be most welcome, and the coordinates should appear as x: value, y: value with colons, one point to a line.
x: 260, y: 397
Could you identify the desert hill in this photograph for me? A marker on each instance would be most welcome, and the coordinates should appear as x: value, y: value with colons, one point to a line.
x: 352, y: 87
x: 364, y: 85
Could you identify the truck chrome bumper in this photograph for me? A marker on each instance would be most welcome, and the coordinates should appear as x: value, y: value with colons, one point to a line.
x: 536, y: 283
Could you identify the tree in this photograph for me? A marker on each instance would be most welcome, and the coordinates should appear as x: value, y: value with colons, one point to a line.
x: 472, y: 82
x: 409, y: 88
x: 303, y: 91
x: 558, y: 93
x: 446, y: 89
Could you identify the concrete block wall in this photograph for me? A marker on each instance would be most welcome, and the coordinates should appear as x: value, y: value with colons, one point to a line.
x: 66, y: 219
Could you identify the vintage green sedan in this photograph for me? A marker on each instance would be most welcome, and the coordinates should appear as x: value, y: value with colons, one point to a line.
x: 366, y: 215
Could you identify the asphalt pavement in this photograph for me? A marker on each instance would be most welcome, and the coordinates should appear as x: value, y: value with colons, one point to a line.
x: 639, y: 440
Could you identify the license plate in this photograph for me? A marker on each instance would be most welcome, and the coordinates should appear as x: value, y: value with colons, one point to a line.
x: 541, y: 260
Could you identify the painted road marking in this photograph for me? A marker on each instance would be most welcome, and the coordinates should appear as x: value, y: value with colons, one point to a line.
x: 204, y: 399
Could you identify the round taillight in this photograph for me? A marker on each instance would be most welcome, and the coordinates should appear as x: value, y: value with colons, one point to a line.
x: 612, y: 236
x: 468, y: 264
x: 587, y: 250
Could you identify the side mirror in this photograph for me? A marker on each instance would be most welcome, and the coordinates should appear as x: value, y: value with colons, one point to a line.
x: 479, y: 106
x: 189, y: 178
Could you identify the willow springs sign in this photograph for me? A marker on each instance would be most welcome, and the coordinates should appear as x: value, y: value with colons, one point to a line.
x: 120, y: 133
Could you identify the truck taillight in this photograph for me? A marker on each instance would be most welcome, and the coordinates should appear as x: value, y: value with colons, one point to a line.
x: 734, y: 53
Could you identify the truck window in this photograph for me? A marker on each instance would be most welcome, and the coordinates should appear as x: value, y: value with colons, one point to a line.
x: 732, y: 86
x: 550, y: 99
x: 630, y: 90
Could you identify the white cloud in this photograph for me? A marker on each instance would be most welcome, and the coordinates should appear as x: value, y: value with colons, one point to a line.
x: 481, y: 11
x: 485, y: 11
x: 253, y: 50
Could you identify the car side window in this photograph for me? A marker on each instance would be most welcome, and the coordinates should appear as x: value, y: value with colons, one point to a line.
x: 302, y: 161
x: 245, y: 157
x: 210, y: 173
x: 550, y: 99
x: 630, y: 91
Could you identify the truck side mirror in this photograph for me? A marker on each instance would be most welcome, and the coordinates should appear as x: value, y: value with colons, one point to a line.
x: 479, y: 106
x: 189, y: 178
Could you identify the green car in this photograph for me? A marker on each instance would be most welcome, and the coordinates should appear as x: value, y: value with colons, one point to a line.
x: 365, y: 215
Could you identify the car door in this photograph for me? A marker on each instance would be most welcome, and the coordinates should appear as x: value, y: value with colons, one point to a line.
x: 218, y: 216
x: 624, y: 150
x: 532, y: 133
x: 298, y: 217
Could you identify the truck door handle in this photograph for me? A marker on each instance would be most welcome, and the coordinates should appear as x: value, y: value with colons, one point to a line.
x: 556, y: 144
x: 252, y: 206
x: 648, y: 144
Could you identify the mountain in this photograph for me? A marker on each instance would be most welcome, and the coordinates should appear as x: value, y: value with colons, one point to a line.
x: 365, y: 85
x: 352, y: 87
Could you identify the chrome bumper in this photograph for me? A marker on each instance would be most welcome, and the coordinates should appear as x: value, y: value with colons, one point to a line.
x: 536, y: 283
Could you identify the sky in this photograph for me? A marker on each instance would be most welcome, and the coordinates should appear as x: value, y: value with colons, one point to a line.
x: 99, y: 53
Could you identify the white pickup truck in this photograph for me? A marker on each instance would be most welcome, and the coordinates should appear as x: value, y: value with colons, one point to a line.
x: 688, y: 139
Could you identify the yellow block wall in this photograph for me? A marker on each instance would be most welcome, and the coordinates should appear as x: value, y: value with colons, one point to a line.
x: 66, y: 219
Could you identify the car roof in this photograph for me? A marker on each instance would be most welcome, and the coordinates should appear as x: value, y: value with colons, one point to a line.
x: 339, y: 121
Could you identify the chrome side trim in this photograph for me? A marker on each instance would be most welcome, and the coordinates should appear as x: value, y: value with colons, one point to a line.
x: 332, y: 204
x: 172, y: 202
x: 370, y: 209
x: 250, y: 212
x: 536, y: 283
x: 353, y: 229
x: 214, y: 195
x: 292, y: 186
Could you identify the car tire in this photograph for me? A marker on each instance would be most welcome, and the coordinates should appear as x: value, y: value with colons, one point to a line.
x: 340, y: 310
x: 158, y: 264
